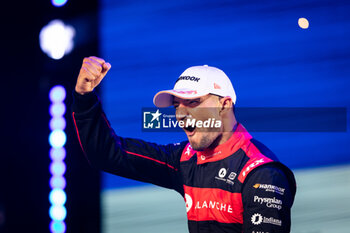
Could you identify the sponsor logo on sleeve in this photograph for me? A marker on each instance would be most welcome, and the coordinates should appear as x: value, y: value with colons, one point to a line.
x: 270, y: 202
x: 257, y: 219
x: 251, y: 166
x: 270, y: 188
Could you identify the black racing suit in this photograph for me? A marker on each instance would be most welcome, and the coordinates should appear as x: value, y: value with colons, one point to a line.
x: 237, y: 187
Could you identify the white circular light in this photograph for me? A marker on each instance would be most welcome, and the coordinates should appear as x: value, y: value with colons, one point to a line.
x: 57, y: 109
x: 56, y: 39
x: 57, y: 182
x: 57, y: 123
x: 57, y: 197
x: 58, y: 3
x: 57, y: 168
x: 57, y: 138
x: 57, y: 154
x: 303, y: 23
x: 58, y: 212
x: 57, y: 227
x: 57, y: 93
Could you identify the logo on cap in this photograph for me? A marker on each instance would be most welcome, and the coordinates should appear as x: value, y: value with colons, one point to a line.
x: 190, y: 78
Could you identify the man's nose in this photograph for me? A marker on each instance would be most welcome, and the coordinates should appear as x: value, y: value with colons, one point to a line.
x: 181, y: 112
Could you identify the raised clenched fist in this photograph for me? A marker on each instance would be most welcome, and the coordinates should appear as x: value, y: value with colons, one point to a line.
x: 92, y: 72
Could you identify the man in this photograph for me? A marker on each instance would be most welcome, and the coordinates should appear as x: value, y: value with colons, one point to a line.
x: 230, y: 181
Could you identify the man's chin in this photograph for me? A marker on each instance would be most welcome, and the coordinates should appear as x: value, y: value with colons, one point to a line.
x: 196, y: 146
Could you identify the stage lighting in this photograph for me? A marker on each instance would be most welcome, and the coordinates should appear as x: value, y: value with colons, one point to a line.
x: 58, y: 3
x: 303, y: 23
x: 57, y: 197
x: 57, y: 182
x: 57, y: 154
x: 56, y: 39
x: 57, y: 123
x: 58, y: 212
x: 58, y: 227
x: 57, y: 109
x: 57, y: 94
x: 57, y: 140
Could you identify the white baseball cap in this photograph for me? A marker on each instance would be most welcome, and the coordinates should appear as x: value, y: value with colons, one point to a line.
x: 195, y: 82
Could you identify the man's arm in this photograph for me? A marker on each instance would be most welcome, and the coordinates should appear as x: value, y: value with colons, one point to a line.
x: 267, y: 200
x: 130, y: 158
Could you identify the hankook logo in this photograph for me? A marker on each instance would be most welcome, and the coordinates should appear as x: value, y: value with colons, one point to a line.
x: 191, y: 78
x: 270, y: 188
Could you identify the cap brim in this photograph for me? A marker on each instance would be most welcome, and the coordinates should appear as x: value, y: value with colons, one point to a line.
x: 165, y: 98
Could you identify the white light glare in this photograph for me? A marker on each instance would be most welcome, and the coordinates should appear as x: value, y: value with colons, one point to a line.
x: 56, y: 39
x: 57, y: 94
x: 57, y: 154
x: 58, y: 212
x: 303, y: 23
x: 57, y: 138
x: 57, y: 197
x: 58, y: 3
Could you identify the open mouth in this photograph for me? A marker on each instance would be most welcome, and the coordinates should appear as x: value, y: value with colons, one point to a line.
x: 190, y: 129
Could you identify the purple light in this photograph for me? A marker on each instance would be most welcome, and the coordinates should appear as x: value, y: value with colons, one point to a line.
x: 57, y: 154
x: 58, y: 3
x: 57, y: 140
x: 57, y: 226
x: 57, y: 109
x: 57, y: 94
x: 57, y: 182
x: 57, y: 168
x: 57, y: 123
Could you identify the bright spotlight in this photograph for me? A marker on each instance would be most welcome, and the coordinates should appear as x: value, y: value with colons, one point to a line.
x: 58, y: 3
x: 57, y: 138
x: 56, y: 39
x: 303, y: 23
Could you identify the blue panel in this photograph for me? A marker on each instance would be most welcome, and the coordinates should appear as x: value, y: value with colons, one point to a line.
x: 271, y: 61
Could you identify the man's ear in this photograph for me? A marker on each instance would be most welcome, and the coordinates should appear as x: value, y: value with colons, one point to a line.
x: 226, y: 105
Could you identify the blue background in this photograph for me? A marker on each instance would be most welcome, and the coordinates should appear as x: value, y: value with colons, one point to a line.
x: 270, y: 60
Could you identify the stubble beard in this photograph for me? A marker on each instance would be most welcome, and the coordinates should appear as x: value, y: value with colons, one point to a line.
x: 206, y: 141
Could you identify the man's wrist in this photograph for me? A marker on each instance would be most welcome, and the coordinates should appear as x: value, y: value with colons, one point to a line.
x: 82, y: 103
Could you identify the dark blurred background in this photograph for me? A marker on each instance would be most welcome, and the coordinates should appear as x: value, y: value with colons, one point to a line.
x: 28, y: 74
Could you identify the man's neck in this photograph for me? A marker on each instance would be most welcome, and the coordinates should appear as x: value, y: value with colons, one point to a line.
x: 224, y: 137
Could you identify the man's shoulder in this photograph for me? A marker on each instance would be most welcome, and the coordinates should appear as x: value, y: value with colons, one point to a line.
x: 272, y: 173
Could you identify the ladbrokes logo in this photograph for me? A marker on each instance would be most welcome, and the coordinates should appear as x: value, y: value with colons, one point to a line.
x: 165, y: 120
